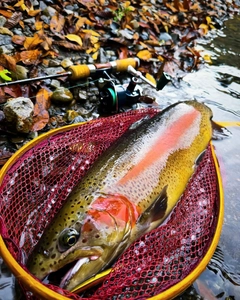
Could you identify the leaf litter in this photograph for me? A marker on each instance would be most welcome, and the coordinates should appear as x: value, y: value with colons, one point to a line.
x: 162, y: 34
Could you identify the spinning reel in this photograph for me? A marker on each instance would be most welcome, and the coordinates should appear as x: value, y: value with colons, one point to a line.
x: 114, y: 97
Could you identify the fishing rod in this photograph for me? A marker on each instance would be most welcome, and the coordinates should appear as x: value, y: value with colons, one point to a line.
x: 112, y: 96
x: 77, y: 72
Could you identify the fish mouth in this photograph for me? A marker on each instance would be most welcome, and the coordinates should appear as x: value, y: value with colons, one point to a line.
x: 74, y: 267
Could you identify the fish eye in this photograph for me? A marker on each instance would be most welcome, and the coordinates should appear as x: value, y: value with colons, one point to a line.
x: 67, y: 238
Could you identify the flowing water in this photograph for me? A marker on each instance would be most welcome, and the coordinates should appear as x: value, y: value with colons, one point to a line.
x: 218, y: 85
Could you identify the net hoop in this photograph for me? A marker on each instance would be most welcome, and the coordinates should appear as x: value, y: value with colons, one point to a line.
x: 44, y: 292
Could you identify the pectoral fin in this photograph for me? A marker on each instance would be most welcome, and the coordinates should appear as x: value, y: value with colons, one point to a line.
x: 220, y: 131
x: 156, y: 210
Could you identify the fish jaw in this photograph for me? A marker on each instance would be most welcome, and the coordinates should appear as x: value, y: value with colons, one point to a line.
x: 103, y: 234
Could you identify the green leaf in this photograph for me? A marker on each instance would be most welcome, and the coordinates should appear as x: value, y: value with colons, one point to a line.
x: 4, y: 76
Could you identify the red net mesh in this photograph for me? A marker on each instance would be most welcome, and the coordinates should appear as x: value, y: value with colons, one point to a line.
x: 35, y: 187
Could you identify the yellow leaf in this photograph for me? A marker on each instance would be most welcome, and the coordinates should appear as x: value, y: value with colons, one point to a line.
x: 38, y: 25
x: 160, y: 58
x: 90, y: 31
x: 204, y: 27
x: 95, y: 55
x: 151, y: 78
x: 207, y: 58
x: 208, y: 20
x: 144, y: 54
x: 93, y: 39
x: 74, y: 38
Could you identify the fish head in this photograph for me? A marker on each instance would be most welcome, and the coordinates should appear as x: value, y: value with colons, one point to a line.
x: 84, y: 248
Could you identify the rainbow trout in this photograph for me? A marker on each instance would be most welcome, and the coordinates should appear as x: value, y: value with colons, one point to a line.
x: 127, y: 192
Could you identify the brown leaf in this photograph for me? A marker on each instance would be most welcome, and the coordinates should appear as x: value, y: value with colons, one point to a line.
x: 32, y: 42
x: 30, y: 57
x: 57, y: 23
x: 13, y: 20
x: 123, y: 53
x: 14, y: 91
x: 7, y: 14
x: 41, y: 115
x: 18, y: 39
x: 68, y: 45
x: 8, y: 62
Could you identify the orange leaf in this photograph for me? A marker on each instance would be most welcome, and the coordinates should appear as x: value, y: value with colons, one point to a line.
x: 144, y: 54
x: 33, y: 13
x: 18, y: 39
x: 8, y: 62
x: 39, y: 25
x: 57, y: 23
x: 41, y: 115
x: 6, y: 13
x: 32, y: 42
x: 30, y: 57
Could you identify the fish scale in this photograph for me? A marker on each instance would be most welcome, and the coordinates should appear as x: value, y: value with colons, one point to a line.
x: 128, y: 191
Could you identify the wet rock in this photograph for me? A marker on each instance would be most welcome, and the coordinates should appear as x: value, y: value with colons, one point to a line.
x: 102, y: 56
x: 66, y: 63
x: 82, y: 95
x: 2, y: 116
x: 55, y: 83
x: 20, y: 73
x: 78, y: 119
x: 3, y: 20
x: 62, y: 94
x: 54, y: 71
x: 18, y: 113
x: 5, y: 40
x: 54, y: 63
x: 6, y: 49
x: 49, y: 11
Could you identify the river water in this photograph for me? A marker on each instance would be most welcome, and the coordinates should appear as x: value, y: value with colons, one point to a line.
x: 218, y: 85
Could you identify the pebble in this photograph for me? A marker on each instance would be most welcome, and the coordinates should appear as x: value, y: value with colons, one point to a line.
x: 18, y: 113
x: 62, y: 94
x: 53, y: 71
x: 82, y: 95
x: 3, y: 20
x: 66, y: 63
x: 55, y: 83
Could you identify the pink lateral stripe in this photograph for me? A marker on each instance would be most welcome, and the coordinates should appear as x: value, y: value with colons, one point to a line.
x: 163, y: 144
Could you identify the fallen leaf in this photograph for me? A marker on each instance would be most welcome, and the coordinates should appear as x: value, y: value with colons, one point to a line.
x: 4, y: 76
x: 41, y: 115
x: 68, y: 45
x: 57, y: 23
x: 95, y: 55
x: 30, y: 57
x: 32, y: 42
x: 13, y: 20
x: 4, y: 30
x: 7, y: 14
x: 151, y: 78
x: 18, y: 39
x: 8, y: 62
x: 90, y: 31
x: 74, y: 38
x: 144, y: 55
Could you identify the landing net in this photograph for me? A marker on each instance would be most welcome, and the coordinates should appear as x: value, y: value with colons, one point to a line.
x: 39, y: 181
